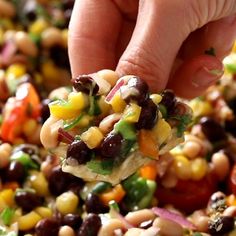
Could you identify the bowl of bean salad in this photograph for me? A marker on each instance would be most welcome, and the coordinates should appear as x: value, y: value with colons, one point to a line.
x: 190, y: 190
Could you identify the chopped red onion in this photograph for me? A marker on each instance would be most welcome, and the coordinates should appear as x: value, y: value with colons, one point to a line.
x: 8, y: 51
x: 111, y: 94
x: 65, y: 136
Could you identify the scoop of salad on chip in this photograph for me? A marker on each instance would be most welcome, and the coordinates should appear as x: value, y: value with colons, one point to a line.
x: 108, y: 127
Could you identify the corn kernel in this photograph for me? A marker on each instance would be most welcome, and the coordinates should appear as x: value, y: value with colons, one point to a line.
x: 132, y: 113
x: 29, y: 127
x: 156, y: 98
x: 3, y: 204
x: 38, y: 26
x: 182, y: 167
x: 28, y: 221
x: 78, y: 100
x: 117, y: 103
x: 104, y: 107
x: 198, y: 168
x: 162, y: 131
x: 234, y: 47
x: 92, y: 137
x: 39, y: 183
x: 8, y: 196
x: 67, y: 202
x: 16, y: 71
x: 201, y: 108
x: 84, y: 122
x: 50, y: 71
x: 44, y: 212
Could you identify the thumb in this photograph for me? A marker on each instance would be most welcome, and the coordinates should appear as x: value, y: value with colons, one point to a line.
x: 161, y: 29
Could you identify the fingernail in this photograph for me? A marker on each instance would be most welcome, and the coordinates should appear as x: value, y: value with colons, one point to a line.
x: 205, y: 77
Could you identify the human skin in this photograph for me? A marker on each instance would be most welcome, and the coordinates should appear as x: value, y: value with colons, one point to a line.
x: 162, y: 41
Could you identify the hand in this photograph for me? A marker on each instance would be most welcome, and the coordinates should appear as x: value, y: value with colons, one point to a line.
x: 163, y: 42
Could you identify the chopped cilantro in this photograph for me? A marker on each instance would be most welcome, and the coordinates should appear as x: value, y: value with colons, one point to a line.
x: 7, y: 215
x: 211, y: 51
x: 73, y: 123
x: 184, y: 121
x: 102, y: 167
x: 197, y: 234
x: 94, y: 109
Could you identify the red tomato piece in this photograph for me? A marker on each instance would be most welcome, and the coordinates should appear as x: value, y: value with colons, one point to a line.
x: 188, y: 195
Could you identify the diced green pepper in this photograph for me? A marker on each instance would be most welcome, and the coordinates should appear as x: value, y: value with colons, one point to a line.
x: 7, y: 215
x: 127, y: 130
x: 72, y: 124
x: 101, y: 187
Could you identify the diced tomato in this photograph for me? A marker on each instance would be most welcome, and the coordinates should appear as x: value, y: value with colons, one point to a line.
x: 188, y: 195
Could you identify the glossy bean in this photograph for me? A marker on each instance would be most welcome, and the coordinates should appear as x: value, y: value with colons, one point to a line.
x: 46, y: 227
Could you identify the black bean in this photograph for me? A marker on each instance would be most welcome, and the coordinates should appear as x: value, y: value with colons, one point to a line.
x: 111, y: 145
x: 46, y: 227
x: 232, y: 104
x: 45, y: 112
x: 168, y: 100
x: 221, y: 225
x: 72, y: 220
x: 94, y: 205
x: 217, y: 201
x: 75, y: 185
x: 29, y: 11
x: 212, y: 130
x: 90, y: 226
x: 136, y: 90
x: 86, y: 84
x: 148, y: 115
x: 27, y: 200
x: 79, y: 151
x: 15, y: 171
x: 58, y: 181
x: 60, y: 56
x: 27, y: 148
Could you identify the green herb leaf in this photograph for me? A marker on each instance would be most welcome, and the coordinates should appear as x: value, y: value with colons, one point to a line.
x: 7, y: 215
x: 184, y: 121
x: 101, y: 187
x: 197, y: 234
x: 211, y: 51
x: 102, y: 167
x: 94, y: 109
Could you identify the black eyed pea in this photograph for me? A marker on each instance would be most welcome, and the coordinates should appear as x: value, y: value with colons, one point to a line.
x: 106, y: 125
x: 191, y: 149
x: 7, y: 9
x: 51, y: 36
x: 66, y: 231
x: 221, y: 165
x: 25, y: 44
x: 168, y: 227
x: 110, y: 227
x: 59, y: 93
x: 5, y: 151
x: 109, y: 75
x: 134, y: 232
x: 49, y: 132
x: 200, y: 220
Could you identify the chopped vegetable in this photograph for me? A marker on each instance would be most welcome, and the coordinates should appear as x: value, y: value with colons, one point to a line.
x: 149, y: 171
x: 101, y: 187
x: 73, y: 123
x: 103, y: 167
x: 184, y: 121
x: 7, y: 215
x: 126, y: 129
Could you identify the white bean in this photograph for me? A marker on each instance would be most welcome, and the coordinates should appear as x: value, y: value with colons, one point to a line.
x: 59, y: 93
x: 230, y: 211
x: 7, y: 9
x: 51, y: 36
x: 137, y: 217
x: 191, y: 149
x: 168, y: 227
x: 108, y: 228
x: 5, y: 152
x: 106, y: 125
x: 49, y: 132
x: 25, y: 44
x: 220, y: 164
x: 66, y: 231
x: 109, y: 75
x: 134, y: 232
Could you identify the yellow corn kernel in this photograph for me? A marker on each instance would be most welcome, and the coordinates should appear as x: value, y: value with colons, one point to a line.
x: 132, y: 113
x: 92, y: 137
x: 39, y: 183
x: 67, y: 202
x: 44, y: 212
x: 234, y: 47
x: 38, y: 26
x: 200, y: 108
x: 28, y: 221
x: 17, y: 215
x: 50, y: 71
x: 156, y: 98
x: 15, y: 71
x: 63, y: 110
x: 182, y: 167
x: 84, y: 122
x: 162, y: 131
x: 199, y: 168
x: 65, y: 37
x: 117, y: 103
x: 8, y: 196
x: 104, y: 107
x: 78, y: 100
x: 3, y: 204
x: 29, y: 127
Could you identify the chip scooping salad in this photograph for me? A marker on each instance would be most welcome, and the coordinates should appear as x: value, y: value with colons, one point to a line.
x: 108, y: 127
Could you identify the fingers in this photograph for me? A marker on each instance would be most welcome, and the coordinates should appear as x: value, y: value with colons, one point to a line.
x: 195, y: 75
x: 162, y: 27
x: 93, y: 34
